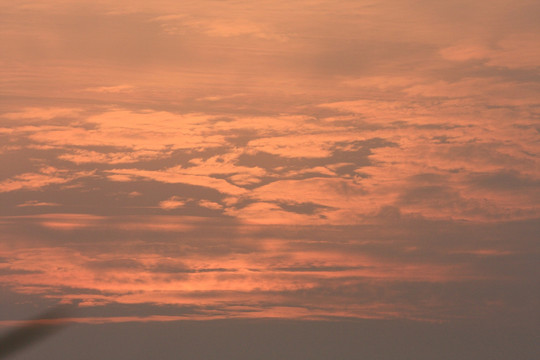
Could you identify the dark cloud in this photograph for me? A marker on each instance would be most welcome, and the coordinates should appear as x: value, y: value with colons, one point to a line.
x: 14, y: 271
x: 318, y: 268
x: 435, y: 196
x: 356, y: 153
x: 179, y: 268
x: 115, y: 264
x: 428, y: 178
x: 24, y: 160
x: 97, y: 195
x: 303, y: 208
x: 505, y: 181
x: 484, y: 153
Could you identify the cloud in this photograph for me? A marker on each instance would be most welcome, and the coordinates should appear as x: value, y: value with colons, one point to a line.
x: 405, y: 268
x: 43, y: 114
x: 47, y: 176
x: 505, y: 181
x: 171, y: 203
x: 176, y: 175
x: 114, y: 265
x: 36, y: 203
x: 515, y: 51
x: 81, y: 156
x: 234, y: 27
x: 268, y: 213
x: 69, y: 221
x: 145, y: 130
x: 110, y: 89
x: 222, y: 26
x: 302, y: 208
x: 210, y: 205
x: 305, y: 159
x: 465, y: 52
x: 6, y: 271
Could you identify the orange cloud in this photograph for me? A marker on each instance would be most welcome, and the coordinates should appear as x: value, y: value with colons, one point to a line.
x: 177, y: 175
x: 299, y: 159
x: 172, y: 203
x: 46, y: 176
x: 36, y: 203
x: 110, y: 89
x: 513, y: 51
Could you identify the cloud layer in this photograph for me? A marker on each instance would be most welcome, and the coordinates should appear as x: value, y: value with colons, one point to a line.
x: 304, y: 159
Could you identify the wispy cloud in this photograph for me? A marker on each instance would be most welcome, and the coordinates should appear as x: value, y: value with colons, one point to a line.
x: 110, y: 89
x: 45, y: 177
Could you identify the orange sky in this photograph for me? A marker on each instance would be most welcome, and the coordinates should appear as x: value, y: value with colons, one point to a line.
x: 293, y: 159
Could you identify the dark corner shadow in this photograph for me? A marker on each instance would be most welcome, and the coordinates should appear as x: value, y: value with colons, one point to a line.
x: 34, y: 330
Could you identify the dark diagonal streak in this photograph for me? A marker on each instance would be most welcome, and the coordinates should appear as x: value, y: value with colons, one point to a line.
x: 33, y: 330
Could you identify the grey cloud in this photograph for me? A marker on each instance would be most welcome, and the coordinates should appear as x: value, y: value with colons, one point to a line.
x: 179, y: 268
x: 398, y: 242
x: 308, y: 208
x: 25, y: 160
x: 389, y: 212
x: 97, y: 195
x: 519, y: 265
x: 115, y: 264
x: 357, y: 153
x: 504, y: 180
x: 15, y: 271
x: 527, y: 126
x: 170, y: 268
x: 318, y: 268
x: 83, y: 31
x: 415, y: 240
x: 484, y: 153
x: 162, y: 160
x: 436, y: 196
x: 400, y: 124
x: 441, y: 301
x: 207, y: 235
x: 428, y: 178
x: 474, y: 70
x: 443, y: 139
x: 271, y: 161
x: 115, y: 309
x: 82, y: 292
x: 444, y: 198
x: 351, y: 56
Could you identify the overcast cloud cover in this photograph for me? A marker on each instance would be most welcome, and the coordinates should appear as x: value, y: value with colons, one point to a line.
x: 303, y: 160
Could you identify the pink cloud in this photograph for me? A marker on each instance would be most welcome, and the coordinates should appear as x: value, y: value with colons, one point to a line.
x: 43, y: 114
x: 111, y: 89
x: 80, y: 156
x: 177, y: 175
x: 146, y: 131
x: 210, y: 205
x: 37, y: 203
x: 516, y: 50
x: 171, y: 203
x: 465, y: 52
x: 47, y: 176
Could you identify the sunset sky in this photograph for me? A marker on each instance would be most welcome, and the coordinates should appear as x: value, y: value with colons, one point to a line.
x: 254, y: 166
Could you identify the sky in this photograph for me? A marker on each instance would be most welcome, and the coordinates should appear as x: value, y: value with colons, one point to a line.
x: 310, y: 169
